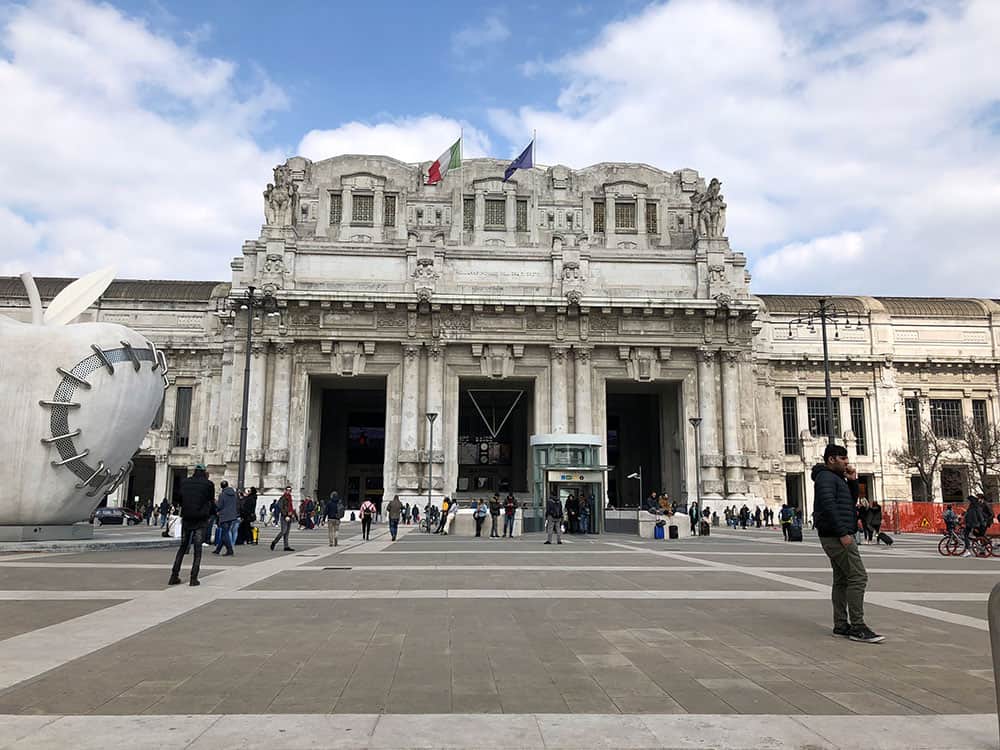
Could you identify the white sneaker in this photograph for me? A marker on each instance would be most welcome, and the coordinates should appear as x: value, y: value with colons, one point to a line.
x: 967, y: 553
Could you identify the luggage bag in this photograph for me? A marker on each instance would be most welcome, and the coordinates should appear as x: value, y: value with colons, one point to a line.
x: 794, y: 533
x: 885, y: 538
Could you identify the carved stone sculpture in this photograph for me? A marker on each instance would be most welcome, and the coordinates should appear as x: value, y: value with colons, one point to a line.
x: 710, y: 211
x: 281, y: 198
x: 76, y: 409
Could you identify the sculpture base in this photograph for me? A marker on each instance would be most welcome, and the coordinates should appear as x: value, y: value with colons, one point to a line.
x: 42, y: 533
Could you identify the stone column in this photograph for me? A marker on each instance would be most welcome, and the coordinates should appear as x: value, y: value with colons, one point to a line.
x: 281, y: 395
x: 434, y: 402
x: 161, y: 479
x: 583, y: 392
x: 346, y: 211
x: 640, y: 218
x: 735, y: 486
x: 711, y: 461
x: 255, y: 411
x: 479, y: 220
x: 609, y: 220
x: 410, y: 402
x: 558, y: 395
x: 510, y: 217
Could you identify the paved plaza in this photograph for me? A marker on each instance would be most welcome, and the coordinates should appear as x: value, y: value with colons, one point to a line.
x: 449, y: 642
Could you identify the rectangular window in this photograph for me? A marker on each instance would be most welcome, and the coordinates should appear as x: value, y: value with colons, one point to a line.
x: 979, y: 417
x: 818, y: 424
x: 946, y: 417
x: 496, y: 213
x: 858, y: 425
x: 911, y: 407
x: 468, y: 214
x: 522, y: 216
x: 652, y: 220
x: 625, y: 216
x: 790, y: 418
x: 598, y: 217
x: 336, y: 206
x: 389, y: 211
x: 182, y: 417
x: 362, y: 209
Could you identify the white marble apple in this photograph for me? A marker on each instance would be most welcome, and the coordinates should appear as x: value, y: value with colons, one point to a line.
x: 77, y: 400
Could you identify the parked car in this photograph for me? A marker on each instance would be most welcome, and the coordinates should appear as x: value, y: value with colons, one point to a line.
x: 121, y: 516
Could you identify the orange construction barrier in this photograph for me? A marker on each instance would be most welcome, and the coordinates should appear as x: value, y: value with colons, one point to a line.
x: 918, y: 518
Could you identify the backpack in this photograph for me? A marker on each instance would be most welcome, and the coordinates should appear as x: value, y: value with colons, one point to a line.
x: 367, y: 512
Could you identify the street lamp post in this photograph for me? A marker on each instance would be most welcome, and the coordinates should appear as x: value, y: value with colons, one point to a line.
x: 825, y: 312
x: 696, y: 423
x: 248, y: 301
x: 431, y: 416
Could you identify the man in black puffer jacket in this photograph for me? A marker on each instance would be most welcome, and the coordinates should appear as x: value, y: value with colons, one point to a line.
x: 197, y: 501
x: 836, y: 525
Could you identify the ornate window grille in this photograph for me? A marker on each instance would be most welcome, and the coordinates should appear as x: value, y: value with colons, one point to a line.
x: 363, y: 209
x: 979, y: 417
x: 469, y: 214
x: 911, y: 408
x: 816, y: 409
x: 336, y: 207
x: 652, y: 220
x: 496, y: 212
x: 858, y: 425
x: 946, y: 417
x: 389, y: 212
x: 522, y: 216
x: 790, y: 419
x: 598, y: 217
x: 625, y: 216
x: 182, y: 417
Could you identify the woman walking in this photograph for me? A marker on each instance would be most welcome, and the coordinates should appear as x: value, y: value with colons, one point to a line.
x: 368, y: 511
x: 875, y: 520
x: 480, y: 513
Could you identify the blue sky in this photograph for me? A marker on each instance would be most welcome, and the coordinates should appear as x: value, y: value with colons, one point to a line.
x: 857, y: 141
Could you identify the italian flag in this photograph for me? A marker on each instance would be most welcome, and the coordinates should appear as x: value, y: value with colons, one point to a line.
x: 450, y: 159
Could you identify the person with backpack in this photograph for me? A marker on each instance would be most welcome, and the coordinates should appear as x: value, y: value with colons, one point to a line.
x: 973, y: 521
x: 197, y: 502
x: 334, y: 512
x: 228, y: 513
x: 785, y: 519
x: 442, y: 517
x: 494, y: 516
x: 509, y: 513
x: 395, y: 512
x: 875, y: 520
x: 368, y: 511
x: 553, y: 520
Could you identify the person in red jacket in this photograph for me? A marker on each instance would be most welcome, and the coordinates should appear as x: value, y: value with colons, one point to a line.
x: 286, y: 514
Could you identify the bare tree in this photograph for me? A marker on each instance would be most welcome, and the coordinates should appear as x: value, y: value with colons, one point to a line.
x: 980, y: 447
x: 923, y: 453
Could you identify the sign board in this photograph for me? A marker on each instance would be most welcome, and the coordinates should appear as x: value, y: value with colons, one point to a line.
x: 554, y: 475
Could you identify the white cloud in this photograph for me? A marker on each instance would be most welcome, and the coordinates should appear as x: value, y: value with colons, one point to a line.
x: 860, y: 131
x: 409, y: 139
x: 124, y: 147
x: 491, y: 31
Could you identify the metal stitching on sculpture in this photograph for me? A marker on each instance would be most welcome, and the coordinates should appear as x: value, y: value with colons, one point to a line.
x: 62, y: 402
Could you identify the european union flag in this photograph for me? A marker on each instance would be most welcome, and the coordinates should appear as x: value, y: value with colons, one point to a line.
x: 524, y: 161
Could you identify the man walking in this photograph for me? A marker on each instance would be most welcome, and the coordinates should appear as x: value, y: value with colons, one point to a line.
x: 553, y: 520
x: 197, y: 494
x: 395, y: 512
x: 286, y: 514
x: 228, y: 514
x: 334, y: 512
x: 835, y: 524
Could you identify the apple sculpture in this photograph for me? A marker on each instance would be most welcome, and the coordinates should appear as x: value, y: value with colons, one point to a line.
x: 77, y: 401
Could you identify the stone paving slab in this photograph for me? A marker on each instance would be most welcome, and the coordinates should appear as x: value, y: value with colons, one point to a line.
x: 529, y: 731
x: 25, y: 616
x: 56, y: 579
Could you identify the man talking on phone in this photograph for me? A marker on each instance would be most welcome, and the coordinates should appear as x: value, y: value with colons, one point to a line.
x: 836, y: 524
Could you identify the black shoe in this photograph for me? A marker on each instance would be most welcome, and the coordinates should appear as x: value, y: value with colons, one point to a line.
x: 272, y: 544
x: 864, y: 634
x: 216, y: 551
x: 546, y: 542
x: 174, y: 580
x: 195, y: 582
x: 842, y: 630
x: 227, y: 553
x: 559, y: 542
x: 289, y: 549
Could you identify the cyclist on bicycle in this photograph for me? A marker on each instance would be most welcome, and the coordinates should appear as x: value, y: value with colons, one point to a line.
x: 973, y: 523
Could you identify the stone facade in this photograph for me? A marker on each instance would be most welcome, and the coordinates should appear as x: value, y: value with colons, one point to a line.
x: 579, y: 283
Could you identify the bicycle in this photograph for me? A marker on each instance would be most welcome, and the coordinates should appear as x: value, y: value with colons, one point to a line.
x: 981, y: 546
x: 951, y: 544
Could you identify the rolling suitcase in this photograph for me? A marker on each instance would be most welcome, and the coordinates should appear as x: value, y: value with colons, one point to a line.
x: 795, y: 533
x: 255, y: 535
x: 885, y: 538
x: 705, y: 528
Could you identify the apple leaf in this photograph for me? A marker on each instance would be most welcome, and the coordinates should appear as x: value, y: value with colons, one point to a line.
x: 78, y: 296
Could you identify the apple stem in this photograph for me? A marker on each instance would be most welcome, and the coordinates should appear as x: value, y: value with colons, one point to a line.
x: 33, y: 298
